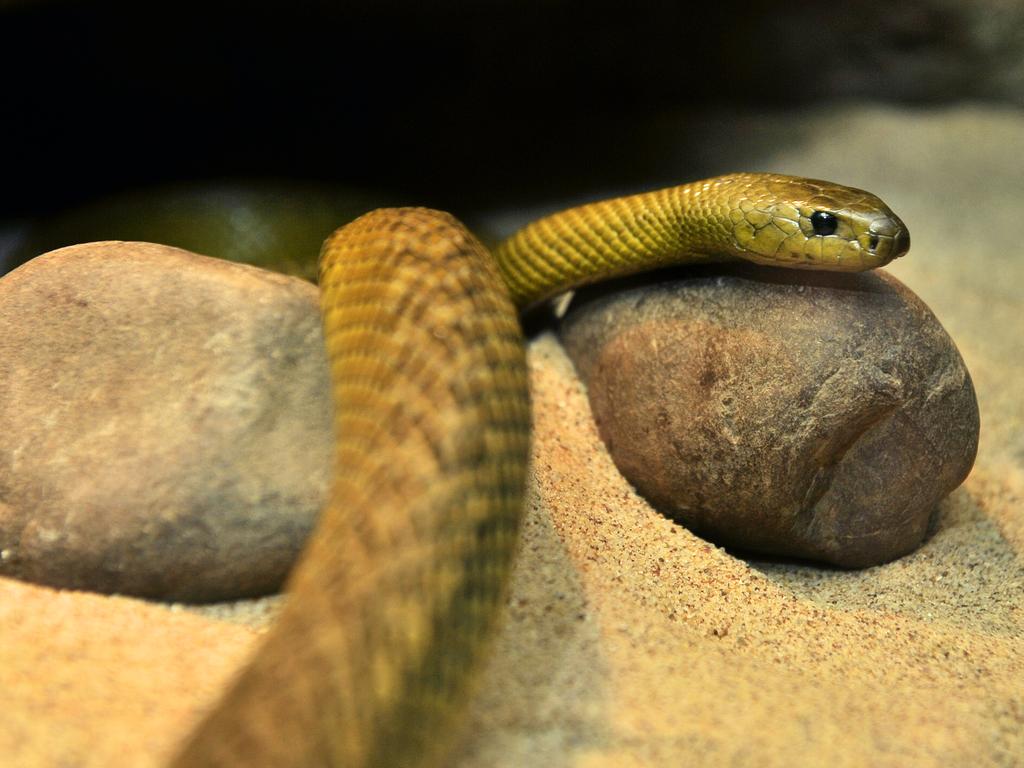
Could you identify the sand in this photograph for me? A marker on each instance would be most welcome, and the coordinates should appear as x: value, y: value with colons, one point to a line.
x: 629, y: 641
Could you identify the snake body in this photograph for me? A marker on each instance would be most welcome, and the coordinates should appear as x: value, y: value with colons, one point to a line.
x: 393, y: 601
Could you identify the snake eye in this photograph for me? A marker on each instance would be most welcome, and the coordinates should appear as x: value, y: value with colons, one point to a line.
x: 824, y: 223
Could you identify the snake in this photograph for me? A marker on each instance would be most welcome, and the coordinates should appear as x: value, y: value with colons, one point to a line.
x: 395, y: 600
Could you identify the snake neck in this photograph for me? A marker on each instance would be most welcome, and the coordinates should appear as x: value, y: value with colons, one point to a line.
x: 684, y: 224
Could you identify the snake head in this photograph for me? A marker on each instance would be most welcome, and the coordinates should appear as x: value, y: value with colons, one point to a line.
x: 806, y: 223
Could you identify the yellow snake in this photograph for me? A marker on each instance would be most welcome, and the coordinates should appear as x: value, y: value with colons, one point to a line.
x: 399, y: 589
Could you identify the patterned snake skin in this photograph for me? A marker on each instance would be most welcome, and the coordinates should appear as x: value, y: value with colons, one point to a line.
x: 398, y: 592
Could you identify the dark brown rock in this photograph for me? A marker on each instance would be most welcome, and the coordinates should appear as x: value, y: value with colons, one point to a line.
x: 164, y: 422
x: 805, y: 414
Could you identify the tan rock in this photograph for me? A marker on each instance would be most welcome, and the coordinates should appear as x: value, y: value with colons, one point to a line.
x: 164, y: 422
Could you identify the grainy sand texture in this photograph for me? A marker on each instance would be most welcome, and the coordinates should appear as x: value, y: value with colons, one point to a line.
x: 631, y: 642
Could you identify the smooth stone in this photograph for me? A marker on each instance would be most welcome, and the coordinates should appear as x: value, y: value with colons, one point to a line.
x: 165, y: 422
x: 815, y: 415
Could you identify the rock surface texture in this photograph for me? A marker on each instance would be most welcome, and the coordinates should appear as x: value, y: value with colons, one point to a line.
x: 164, y: 422
x: 813, y: 415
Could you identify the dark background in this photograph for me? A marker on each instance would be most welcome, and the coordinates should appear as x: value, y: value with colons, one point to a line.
x: 453, y: 104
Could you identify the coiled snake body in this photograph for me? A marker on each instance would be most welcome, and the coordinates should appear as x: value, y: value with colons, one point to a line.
x: 393, y: 601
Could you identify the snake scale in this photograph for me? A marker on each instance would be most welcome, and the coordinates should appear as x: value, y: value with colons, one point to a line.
x: 393, y: 601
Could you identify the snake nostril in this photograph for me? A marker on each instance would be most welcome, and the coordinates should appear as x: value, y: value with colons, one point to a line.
x: 873, y: 242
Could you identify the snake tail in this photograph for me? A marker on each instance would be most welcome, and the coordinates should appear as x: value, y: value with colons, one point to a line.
x: 393, y: 600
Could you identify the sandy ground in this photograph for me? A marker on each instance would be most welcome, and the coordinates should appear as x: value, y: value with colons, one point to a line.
x: 629, y: 641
